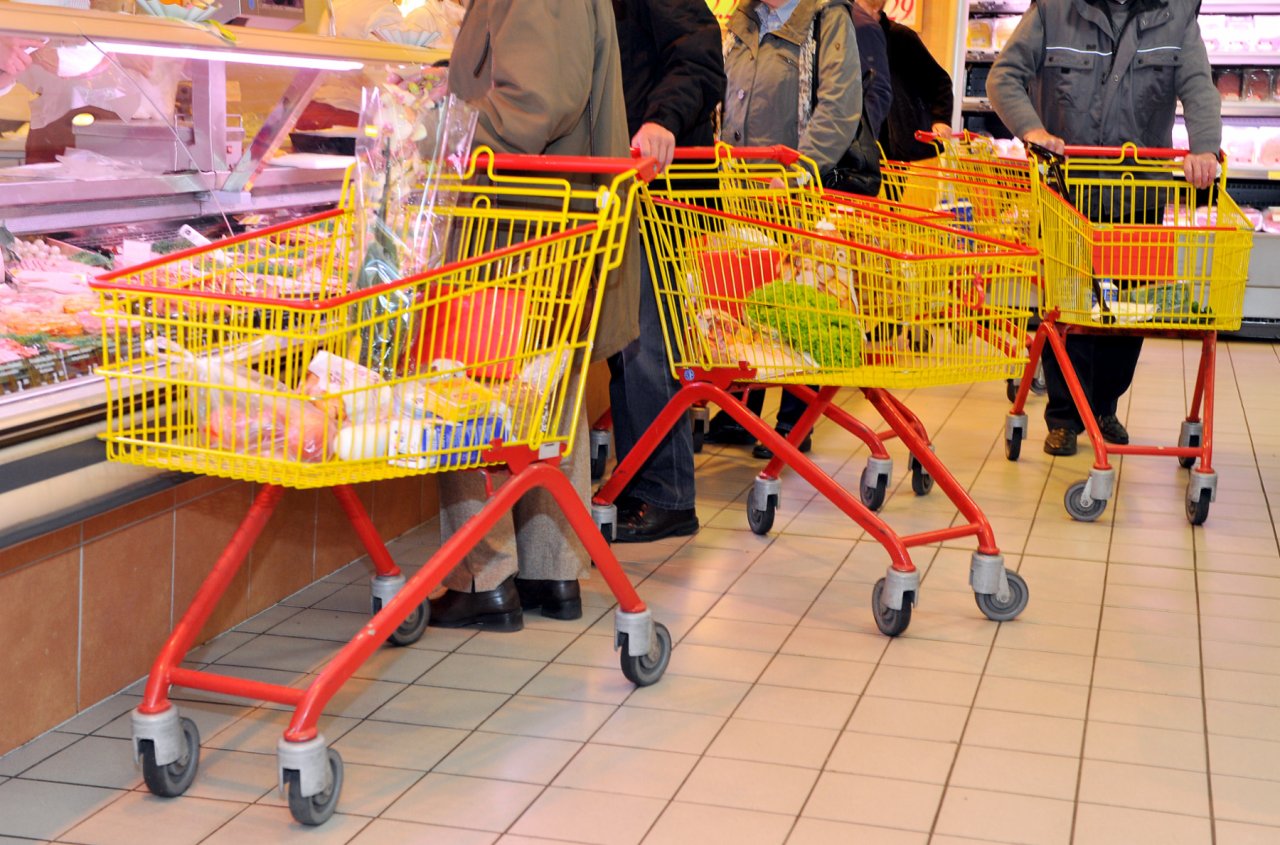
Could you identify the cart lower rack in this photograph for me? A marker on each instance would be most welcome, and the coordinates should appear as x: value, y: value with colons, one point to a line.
x: 255, y: 359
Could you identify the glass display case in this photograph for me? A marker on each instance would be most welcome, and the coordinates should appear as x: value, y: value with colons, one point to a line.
x: 128, y: 136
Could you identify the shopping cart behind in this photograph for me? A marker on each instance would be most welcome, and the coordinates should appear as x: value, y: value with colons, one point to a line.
x: 1166, y: 261
x: 766, y: 280
x: 256, y: 359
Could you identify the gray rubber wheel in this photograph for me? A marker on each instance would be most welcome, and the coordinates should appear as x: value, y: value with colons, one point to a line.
x: 315, y: 809
x: 599, y: 460
x: 1011, y: 389
x: 921, y: 481
x: 1003, y: 611
x: 1013, y: 445
x: 1198, y: 509
x: 761, y: 521
x: 1187, y: 463
x: 890, y: 622
x: 412, y: 628
x: 873, y: 496
x: 648, y: 668
x: 1078, y: 512
x: 172, y: 779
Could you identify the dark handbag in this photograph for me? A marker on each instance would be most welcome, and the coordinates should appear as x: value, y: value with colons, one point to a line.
x: 858, y: 170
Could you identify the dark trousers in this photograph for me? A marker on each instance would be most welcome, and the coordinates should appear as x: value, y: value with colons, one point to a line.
x: 789, y: 408
x: 640, y: 386
x: 1104, y: 364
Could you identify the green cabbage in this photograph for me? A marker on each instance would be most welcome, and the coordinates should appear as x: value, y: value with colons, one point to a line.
x: 809, y: 321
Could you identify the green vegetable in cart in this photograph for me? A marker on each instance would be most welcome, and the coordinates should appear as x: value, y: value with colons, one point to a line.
x: 170, y: 245
x: 93, y: 259
x: 808, y: 320
x: 1172, y: 301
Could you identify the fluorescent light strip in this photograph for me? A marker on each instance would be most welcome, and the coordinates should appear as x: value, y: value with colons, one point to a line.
x: 236, y: 56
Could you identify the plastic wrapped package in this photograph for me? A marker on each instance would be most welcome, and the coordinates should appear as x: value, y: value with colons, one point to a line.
x: 1238, y: 35
x: 979, y: 34
x: 442, y: 16
x: 1271, y: 220
x: 1002, y: 30
x: 1257, y: 84
x: 1240, y: 143
x: 1212, y: 28
x: 1254, y: 216
x: 1230, y: 83
x: 1266, y: 33
x: 1269, y: 148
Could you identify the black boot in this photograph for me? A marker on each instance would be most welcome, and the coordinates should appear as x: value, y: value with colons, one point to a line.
x: 492, y: 610
x: 558, y: 599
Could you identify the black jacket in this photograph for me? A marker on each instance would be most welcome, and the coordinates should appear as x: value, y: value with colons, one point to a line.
x: 672, y: 66
x: 922, y: 94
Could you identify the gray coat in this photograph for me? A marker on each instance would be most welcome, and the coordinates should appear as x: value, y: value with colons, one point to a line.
x: 1065, y: 72
x: 764, y: 81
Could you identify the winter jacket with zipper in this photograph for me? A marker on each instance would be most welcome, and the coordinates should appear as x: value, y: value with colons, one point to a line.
x: 1065, y: 72
x: 764, y: 81
x: 672, y: 67
x: 922, y: 93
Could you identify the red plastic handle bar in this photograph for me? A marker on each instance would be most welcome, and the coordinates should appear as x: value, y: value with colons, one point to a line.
x: 930, y: 137
x: 1117, y: 152
x: 776, y: 152
x: 646, y: 168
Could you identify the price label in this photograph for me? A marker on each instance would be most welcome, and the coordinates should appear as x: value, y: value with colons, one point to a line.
x: 903, y: 11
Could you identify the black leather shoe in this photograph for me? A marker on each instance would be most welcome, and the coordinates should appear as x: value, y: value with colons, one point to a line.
x: 1061, y: 442
x: 653, y: 523
x: 558, y: 599
x: 765, y: 453
x: 724, y: 430
x: 492, y: 610
x: 1113, y: 431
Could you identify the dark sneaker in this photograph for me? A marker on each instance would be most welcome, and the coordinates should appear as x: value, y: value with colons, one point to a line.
x: 765, y: 453
x: 1113, y: 431
x: 724, y: 430
x: 650, y: 523
x: 1060, y: 442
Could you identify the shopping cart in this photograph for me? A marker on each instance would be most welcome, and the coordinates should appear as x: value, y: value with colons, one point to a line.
x: 765, y: 280
x: 477, y: 364
x: 1169, y: 261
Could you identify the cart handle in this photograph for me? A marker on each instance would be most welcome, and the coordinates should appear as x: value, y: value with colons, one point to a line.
x: 776, y: 152
x: 646, y: 168
x: 1128, y: 150
x: 928, y: 137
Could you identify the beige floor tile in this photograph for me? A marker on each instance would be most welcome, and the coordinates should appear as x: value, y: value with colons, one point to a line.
x: 835, y: 645
x: 583, y: 683
x: 519, y: 758
x: 725, y: 664
x: 822, y: 832
x: 767, y: 610
x: 1002, y: 770
x: 1242, y: 657
x: 366, y: 790
x: 1152, y: 598
x: 921, y: 685
x: 691, y: 695
x: 1038, y: 697
x: 911, y: 719
x: 472, y: 803
x: 986, y: 815
x: 1247, y: 687
x: 1177, y: 713
x: 1246, y: 800
x: 552, y: 718
x: 601, y: 818
x: 1024, y: 732
x: 532, y: 644
x: 38, y: 749
x: 877, y: 801
x: 1244, y: 757
x: 1237, y: 833
x: 691, y: 575
x: 441, y: 707
x: 1254, y: 631
x: 777, y: 586
x: 92, y: 761
x: 137, y: 816
x: 931, y: 654
x: 1039, y: 666
x: 1184, y: 651
x: 697, y: 824
x: 1142, y: 676
x: 388, y: 832
x: 796, y: 706
x: 480, y: 673
x: 1144, y: 788
x: 263, y: 825
x: 774, y: 742
x: 748, y: 786
x: 1239, y: 607
x: 395, y: 744
x: 629, y: 771
x: 925, y: 761
x: 1140, y: 621
x: 1126, y: 578
x: 1103, y: 825
x: 1052, y: 638
x: 1045, y: 611
x: 816, y: 673
x: 660, y: 730
x: 1252, y: 721
x: 260, y: 730
x: 1145, y: 746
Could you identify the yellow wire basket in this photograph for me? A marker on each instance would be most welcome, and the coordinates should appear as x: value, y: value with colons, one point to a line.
x: 980, y: 196
x: 257, y: 358
x: 1126, y: 244
x: 773, y: 276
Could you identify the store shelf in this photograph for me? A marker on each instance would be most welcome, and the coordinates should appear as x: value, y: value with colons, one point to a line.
x: 1254, y: 171
x: 981, y: 56
x: 1235, y: 7
x: 977, y: 105
x: 1245, y: 59
x: 998, y: 7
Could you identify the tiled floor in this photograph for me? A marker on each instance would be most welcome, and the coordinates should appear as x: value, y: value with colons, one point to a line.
x: 1136, y: 700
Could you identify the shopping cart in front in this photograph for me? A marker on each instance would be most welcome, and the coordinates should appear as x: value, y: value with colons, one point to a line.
x: 257, y: 358
x: 1131, y: 248
x: 765, y: 280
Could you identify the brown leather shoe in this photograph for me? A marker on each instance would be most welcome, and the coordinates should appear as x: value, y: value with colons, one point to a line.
x: 492, y: 610
x: 1113, y: 431
x: 1060, y: 442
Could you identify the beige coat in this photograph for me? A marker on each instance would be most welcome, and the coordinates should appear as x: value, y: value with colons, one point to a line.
x: 546, y: 78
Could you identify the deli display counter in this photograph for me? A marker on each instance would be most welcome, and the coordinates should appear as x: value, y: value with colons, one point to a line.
x: 130, y: 136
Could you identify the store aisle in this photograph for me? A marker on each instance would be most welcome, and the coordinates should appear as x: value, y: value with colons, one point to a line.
x: 1136, y: 700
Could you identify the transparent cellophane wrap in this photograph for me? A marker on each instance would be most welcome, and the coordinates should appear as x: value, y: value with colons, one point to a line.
x: 216, y: 374
x: 986, y: 201
x: 808, y: 288
x: 1162, y: 262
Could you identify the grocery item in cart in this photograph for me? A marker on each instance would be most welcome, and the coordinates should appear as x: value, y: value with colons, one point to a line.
x: 807, y: 319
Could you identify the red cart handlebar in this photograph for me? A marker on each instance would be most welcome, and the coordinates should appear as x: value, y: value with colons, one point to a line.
x: 777, y: 152
x: 646, y: 168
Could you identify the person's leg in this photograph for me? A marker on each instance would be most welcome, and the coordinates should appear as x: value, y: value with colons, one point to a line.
x: 479, y: 590
x: 1060, y: 414
x: 790, y: 410
x: 1116, y: 361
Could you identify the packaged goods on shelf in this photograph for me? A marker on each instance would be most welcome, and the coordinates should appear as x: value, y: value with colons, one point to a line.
x: 979, y: 34
x: 1257, y: 84
x: 1230, y: 83
x: 1001, y: 31
x: 1269, y: 149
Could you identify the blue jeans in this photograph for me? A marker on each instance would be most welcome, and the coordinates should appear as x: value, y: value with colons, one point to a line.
x: 639, y: 388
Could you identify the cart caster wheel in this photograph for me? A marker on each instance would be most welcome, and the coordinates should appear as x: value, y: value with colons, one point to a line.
x: 599, y: 460
x: 1198, y: 509
x: 1038, y: 385
x: 1011, y: 389
x: 761, y: 521
x: 412, y: 628
x: 174, y: 778
x: 648, y: 668
x: 873, y: 497
x: 890, y: 622
x: 1003, y: 611
x: 315, y: 809
x: 1013, y: 445
x: 1075, y: 507
x: 1187, y: 463
x: 921, y: 480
